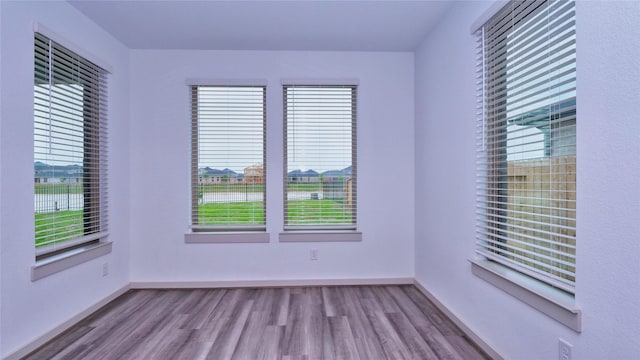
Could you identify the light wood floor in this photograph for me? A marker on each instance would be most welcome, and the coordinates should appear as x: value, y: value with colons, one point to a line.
x: 347, y: 322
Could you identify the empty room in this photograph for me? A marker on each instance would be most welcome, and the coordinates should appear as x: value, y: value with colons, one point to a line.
x: 312, y: 179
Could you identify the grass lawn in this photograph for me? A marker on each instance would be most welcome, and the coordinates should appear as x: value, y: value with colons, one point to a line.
x: 58, y: 226
x: 234, y: 213
x: 240, y: 187
x: 304, y: 187
x: 327, y: 212
x: 244, y: 213
x: 230, y: 188
x: 69, y: 224
x: 58, y: 188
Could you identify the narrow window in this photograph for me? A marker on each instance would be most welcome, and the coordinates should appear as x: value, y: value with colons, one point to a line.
x: 527, y: 140
x: 320, y: 157
x: 228, y: 158
x: 70, y: 132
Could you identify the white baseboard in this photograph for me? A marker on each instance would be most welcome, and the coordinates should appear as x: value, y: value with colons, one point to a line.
x: 459, y: 323
x: 49, y: 335
x: 268, y: 283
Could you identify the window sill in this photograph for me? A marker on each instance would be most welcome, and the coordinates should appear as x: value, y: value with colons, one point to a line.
x: 226, y: 237
x: 320, y: 236
x: 71, y: 258
x: 554, y: 303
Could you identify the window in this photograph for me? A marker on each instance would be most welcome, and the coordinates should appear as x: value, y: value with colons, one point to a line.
x: 320, y: 157
x: 228, y: 158
x: 527, y: 141
x: 70, y: 133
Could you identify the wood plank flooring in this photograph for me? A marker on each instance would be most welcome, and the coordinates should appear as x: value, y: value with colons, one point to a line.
x: 344, y: 322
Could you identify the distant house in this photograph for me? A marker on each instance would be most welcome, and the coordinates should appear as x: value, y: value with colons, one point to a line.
x: 299, y: 176
x: 208, y: 175
x: 335, y: 175
x: 57, y: 174
x: 336, y: 184
x: 555, y: 122
x: 254, y: 174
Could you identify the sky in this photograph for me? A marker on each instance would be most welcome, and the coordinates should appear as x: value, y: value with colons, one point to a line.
x: 529, y: 91
x: 58, y: 135
x: 231, y: 122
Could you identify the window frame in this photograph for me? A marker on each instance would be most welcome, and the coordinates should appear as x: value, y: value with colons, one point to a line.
x: 50, y: 259
x: 253, y: 233
x: 321, y: 232
x: 556, y: 301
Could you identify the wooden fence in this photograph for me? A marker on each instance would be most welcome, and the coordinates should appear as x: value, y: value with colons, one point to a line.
x: 542, y: 204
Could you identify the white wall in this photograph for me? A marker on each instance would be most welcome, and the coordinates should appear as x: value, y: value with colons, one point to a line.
x: 608, y: 214
x: 149, y: 139
x: 160, y: 150
x: 29, y: 309
x: 0, y: 184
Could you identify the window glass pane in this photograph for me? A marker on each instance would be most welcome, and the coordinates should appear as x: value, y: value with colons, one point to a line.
x: 69, y: 138
x: 59, y: 155
x: 527, y: 156
x: 228, y: 172
x: 320, y: 135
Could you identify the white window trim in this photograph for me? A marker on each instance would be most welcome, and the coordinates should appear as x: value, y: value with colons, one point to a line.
x: 319, y: 82
x: 236, y: 236
x: 226, y: 237
x: 57, y: 263
x: 42, y: 29
x: 70, y: 258
x: 317, y: 234
x: 225, y: 82
x: 488, y: 14
x: 553, y: 302
x: 320, y: 236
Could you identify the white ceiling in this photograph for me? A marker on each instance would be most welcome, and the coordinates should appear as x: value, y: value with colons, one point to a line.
x: 343, y: 25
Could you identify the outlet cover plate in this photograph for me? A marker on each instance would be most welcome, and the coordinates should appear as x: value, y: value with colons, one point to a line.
x: 565, y: 350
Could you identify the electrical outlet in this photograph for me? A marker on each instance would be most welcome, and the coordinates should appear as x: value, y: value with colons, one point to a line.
x: 564, y: 349
x: 313, y: 254
x: 105, y: 269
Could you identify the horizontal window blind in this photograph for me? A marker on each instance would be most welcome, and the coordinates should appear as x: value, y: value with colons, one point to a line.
x: 320, y: 157
x: 228, y: 158
x: 70, y: 137
x: 526, y: 140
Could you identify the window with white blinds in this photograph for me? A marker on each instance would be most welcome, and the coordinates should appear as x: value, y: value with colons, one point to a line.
x: 228, y: 158
x: 70, y: 157
x: 320, y: 157
x: 526, y: 140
